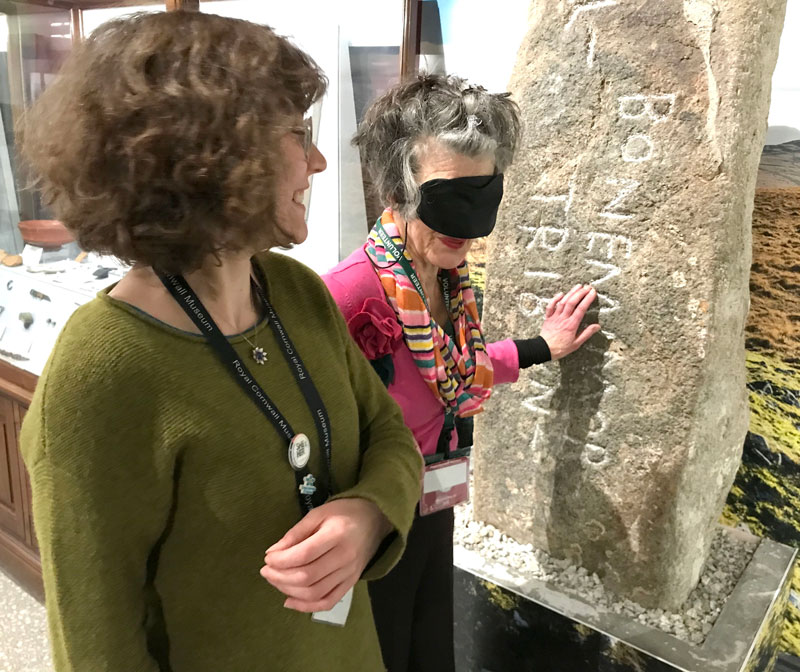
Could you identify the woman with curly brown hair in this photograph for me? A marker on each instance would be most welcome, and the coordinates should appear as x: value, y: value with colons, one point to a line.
x: 211, y: 404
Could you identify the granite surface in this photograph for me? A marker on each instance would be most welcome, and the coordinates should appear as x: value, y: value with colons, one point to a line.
x: 633, y: 177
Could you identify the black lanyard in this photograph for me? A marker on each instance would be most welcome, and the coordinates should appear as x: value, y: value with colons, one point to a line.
x: 444, y: 276
x: 179, y: 289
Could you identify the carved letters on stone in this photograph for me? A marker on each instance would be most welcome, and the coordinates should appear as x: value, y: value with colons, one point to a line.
x: 644, y: 122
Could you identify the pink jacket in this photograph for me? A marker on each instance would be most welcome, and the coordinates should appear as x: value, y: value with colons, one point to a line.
x: 352, y: 282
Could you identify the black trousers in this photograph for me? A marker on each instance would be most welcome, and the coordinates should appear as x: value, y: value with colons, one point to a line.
x: 413, y: 604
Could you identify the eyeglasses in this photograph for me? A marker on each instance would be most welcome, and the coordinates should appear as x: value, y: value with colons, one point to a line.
x: 306, y: 132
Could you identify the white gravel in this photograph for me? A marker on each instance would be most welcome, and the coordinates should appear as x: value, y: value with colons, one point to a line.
x: 728, y: 558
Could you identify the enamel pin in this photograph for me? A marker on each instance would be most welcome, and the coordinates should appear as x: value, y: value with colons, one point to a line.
x: 308, y: 487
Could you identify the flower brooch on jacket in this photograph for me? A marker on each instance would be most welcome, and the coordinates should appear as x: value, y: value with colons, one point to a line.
x: 376, y: 331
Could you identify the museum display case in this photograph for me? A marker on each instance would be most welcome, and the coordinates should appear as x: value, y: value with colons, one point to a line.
x: 34, y: 41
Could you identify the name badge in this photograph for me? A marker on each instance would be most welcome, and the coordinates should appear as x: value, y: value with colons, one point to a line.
x: 337, y: 615
x: 444, y: 485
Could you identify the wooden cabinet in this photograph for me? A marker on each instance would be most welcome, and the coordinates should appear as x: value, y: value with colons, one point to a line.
x: 12, y: 513
x: 19, y: 553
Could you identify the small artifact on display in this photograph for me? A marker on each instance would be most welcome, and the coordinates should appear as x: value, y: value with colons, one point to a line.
x: 102, y: 272
x: 45, y: 233
x: 42, y: 288
x: 10, y: 260
x: 26, y: 319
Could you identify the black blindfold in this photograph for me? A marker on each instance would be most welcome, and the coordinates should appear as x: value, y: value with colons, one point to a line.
x: 463, y: 207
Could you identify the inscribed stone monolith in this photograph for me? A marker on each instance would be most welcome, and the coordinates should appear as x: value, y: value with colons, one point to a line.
x: 643, y: 127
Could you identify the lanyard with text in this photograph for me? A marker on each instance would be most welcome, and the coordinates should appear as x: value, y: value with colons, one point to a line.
x: 310, y: 493
x: 445, y: 278
x: 388, y: 243
x: 445, y: 481
x: 449, y: 418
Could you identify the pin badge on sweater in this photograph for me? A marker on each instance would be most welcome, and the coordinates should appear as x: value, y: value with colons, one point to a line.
x: 299, y: 451
x: 307, y: 487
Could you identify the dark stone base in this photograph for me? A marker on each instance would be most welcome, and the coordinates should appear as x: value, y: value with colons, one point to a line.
x: 504, y: 624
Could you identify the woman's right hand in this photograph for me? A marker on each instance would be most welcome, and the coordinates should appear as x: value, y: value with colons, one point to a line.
x: 563, y: 317
x: 319, y: 559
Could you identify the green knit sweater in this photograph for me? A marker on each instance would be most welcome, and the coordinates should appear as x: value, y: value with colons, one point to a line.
x: 158, y: 485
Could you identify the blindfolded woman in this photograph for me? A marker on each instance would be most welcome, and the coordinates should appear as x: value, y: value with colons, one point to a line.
x: 436, y: 149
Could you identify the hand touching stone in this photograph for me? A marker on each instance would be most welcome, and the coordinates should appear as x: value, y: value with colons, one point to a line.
x: 563, y: 317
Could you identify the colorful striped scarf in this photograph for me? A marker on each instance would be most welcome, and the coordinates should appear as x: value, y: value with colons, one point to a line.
x: 458, y: 372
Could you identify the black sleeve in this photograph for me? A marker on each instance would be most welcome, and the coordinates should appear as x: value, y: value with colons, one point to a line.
x: 532, y: 351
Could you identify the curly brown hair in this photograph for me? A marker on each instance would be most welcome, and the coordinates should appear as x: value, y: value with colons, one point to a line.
x: 158, y: 142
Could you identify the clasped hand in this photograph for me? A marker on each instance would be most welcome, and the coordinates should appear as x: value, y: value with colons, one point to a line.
x: 319, y: 559
x: 563, y: 317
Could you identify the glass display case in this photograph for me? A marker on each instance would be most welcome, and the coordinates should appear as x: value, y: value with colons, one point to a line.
x: 44, y: 275
x: 34, y: 41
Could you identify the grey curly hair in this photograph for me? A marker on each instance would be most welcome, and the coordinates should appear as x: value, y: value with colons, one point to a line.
x: 445, y: 109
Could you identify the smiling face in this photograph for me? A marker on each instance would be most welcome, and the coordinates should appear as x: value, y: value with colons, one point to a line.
x: 424, y: 243
x: 298, y: 167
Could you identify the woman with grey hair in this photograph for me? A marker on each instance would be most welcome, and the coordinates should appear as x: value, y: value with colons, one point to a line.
x: 436, y: 148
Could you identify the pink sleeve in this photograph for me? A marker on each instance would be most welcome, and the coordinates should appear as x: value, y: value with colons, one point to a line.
x: 351, y: 282
x: 505, y: 361
x: 340, y: 294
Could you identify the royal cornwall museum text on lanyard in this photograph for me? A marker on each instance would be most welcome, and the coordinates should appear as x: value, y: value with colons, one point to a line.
x: 310, y: 492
